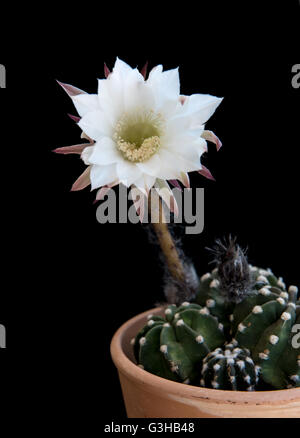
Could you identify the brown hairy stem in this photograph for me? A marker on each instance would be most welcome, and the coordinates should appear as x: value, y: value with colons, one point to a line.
x: 166, y: 241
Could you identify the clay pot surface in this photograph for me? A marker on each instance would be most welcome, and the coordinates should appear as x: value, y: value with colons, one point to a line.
x: 150, y: 396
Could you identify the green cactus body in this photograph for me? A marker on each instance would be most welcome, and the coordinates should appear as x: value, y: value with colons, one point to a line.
x: 230, y: 368
x: 209, y: 295
x: 289, y: 361
x: 172, y: 347
x: 258, y: 330
x: 263, y: 323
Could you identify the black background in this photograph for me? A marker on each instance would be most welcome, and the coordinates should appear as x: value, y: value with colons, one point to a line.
x: 71, y: 282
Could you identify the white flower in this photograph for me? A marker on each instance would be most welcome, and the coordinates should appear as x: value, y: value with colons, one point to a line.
x: 142, y: 132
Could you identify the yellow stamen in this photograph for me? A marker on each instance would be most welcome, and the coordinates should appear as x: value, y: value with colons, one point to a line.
x: 139, y: 154
x: 138, y: 136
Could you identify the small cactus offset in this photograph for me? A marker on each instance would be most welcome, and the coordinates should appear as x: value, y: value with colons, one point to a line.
x: 230, y: 368
x: 173, y: 346
x: 237, y: 334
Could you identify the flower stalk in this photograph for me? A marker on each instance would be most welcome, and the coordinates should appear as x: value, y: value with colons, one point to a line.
x: 181, y: 279
x: 166, y: 242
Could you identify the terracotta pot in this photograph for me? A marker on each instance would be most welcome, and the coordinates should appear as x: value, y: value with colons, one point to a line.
x: 150, y: 396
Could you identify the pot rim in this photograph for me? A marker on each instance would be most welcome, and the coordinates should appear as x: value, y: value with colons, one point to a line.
x: 142, y: 377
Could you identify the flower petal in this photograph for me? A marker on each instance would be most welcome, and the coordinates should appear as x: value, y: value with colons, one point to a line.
x: 137, y: 93
x: 75, y: 149
x: 210, y: 136
x: 201, y: 107
x: 206, y: 173
x: 144, y: 70
x: 95, y: 125
x: 70, y: 90
x: 187, y: 147
x: 145, y: 182
x: 83, y: 135
x: 75, y: 118
x: 128, y: 172
x: 111, y: 91
x: 102, y: 192
x: 165, y: 88
x: 166, y: 85
x: 86, y: 153
x: 175, y: 184
x: 173, y: 164
x: 200, y: 146
x: 164, y: 191
x: 184, y: 179
x: 139, y: 199
x: 150, y: 167
x: 84, y: 103
x: 171, y: 83
x: 105, y: 152
x: 102, y: 175
x: 106, y: 71
x: 110, y: 96
x: 83, y: 181
x: 154, y: 75
x: 121, y: 68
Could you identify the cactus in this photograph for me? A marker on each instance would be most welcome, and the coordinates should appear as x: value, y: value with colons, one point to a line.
x: 209, y: 296
x: 172, y: 346
x: 242, y: 312
x: 289, y: 362
x: 263, y: 323
x: 230, y: 368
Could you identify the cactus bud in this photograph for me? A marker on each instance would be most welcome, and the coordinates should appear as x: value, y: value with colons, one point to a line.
x: 233, y: 270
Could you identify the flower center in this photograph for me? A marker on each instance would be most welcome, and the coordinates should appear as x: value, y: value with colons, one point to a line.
x: 138, y: 136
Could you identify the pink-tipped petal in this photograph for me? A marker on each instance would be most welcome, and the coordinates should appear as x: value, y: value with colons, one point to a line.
x: 140, y: 210
x: 75, y: 149
x: 166, y: 194
x: 83, y: 135
x: 144, y: 70
x: 174, y: 206
x: 106, y: 71
x: 75, y: 118
x: 101, y: 193
x: 182, y: 99
x: 83, y: 181
x: 206, y: 173
x: 138, y: 198
x: 210, y: 136
x: 185, y: 179
x: 175, y: 183
x: 114, y: 183
x: 70, y: 90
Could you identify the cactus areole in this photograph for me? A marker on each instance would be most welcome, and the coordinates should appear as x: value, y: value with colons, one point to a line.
x: 236, y: 334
